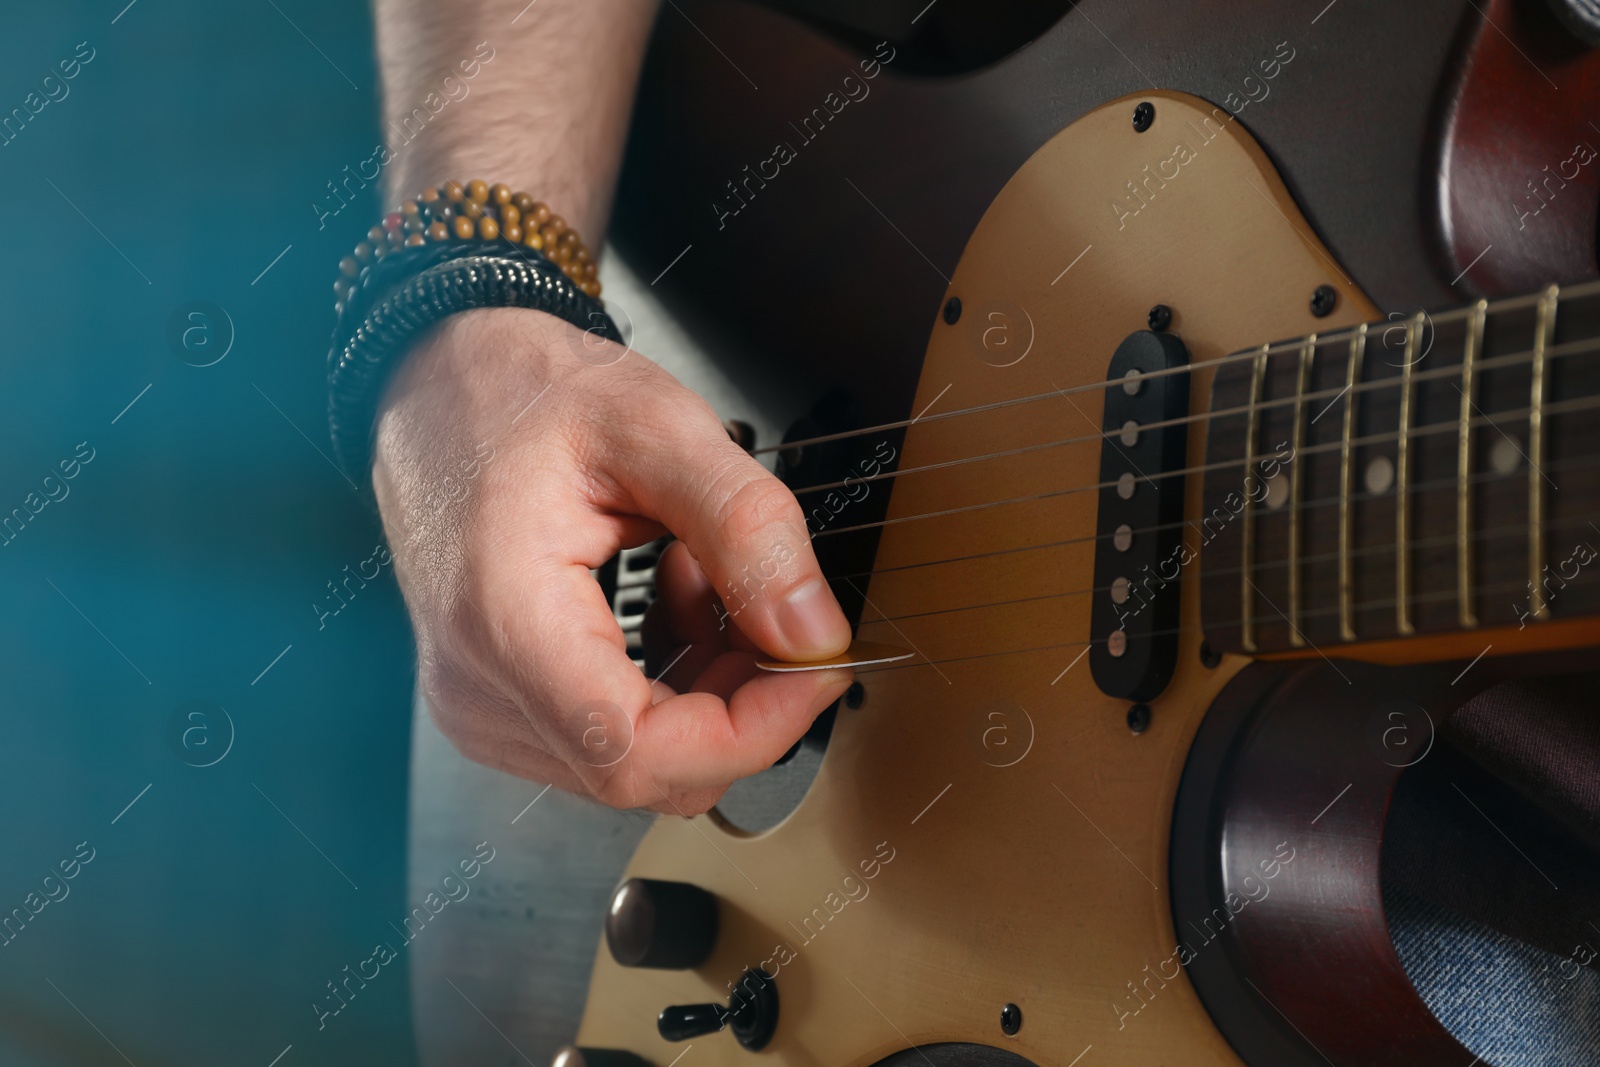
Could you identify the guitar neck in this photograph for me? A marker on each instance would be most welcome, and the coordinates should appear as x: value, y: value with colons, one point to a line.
x: 1422, y: 475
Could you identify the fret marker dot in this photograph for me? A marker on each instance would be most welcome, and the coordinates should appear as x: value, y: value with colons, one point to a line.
x: 1505, y: 456
x: 1122, y: 538
x: 1130, y: 434
x: 1119, y: 591
x: 1380, y: 475
x: 1278, y: 491
x: 1125, y: 487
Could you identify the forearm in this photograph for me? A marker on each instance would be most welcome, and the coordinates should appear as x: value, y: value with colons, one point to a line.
x: 546, y: 112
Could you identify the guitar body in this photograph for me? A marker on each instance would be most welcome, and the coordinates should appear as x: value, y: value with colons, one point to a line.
x: 1042, y: 883
x: 989, y: 836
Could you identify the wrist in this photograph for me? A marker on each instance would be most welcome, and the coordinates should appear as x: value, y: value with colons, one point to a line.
x: 476, y: 363
x: 381, y: 332
x: 458, y: 400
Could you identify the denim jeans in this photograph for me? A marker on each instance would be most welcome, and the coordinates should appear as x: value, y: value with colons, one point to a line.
x: 1509, y: 1003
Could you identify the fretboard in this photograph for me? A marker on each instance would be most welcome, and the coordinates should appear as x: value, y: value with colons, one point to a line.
x: 1426, y: 474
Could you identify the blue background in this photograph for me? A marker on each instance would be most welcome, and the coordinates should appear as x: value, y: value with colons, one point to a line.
x: 196, y: 541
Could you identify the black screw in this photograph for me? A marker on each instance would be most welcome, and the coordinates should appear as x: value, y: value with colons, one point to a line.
x: 1143, y: 116
x: 1323, y: 300
x: 952, y: 310
x: 1209, y: 657
x: 855, y: 695
x: 1160, y: 317
x: 1010, y: 1019
x: 1139, y: 718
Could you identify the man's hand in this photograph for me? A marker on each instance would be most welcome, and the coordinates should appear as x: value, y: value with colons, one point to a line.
x: 516, y: 453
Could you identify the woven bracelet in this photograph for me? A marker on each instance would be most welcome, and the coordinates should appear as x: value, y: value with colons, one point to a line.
x: 405, y: 294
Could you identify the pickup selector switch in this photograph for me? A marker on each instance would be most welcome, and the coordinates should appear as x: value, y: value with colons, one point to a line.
x: 751, y: 1013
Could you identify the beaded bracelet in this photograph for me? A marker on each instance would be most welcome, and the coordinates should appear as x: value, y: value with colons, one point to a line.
x: 475, y: 211
x: 421, y: 266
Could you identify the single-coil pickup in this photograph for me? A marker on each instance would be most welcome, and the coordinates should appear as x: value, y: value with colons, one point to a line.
x: 1133, y: 628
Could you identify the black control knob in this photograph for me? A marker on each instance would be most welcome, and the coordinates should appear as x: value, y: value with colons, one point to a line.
x: 573, y: 1056
x: 751, y: 1013
x: 667, y: 925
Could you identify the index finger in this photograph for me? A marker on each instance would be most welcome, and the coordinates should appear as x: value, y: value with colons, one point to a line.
x: 628, y: 747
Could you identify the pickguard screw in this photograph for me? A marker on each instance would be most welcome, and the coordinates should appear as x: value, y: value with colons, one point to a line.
x: 1323, y: 300
x: 1010, y: 1020
x: 855, y: 695
x: 1160, y: 317
x: 1139, y: 718
x: 1143, y: 115
x: 952, y: 310
x: 1209, y: 657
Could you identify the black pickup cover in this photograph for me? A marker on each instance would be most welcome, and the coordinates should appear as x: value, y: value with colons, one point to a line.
x: 1147, y: 615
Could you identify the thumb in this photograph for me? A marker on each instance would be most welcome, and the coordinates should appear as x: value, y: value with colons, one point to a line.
x: 744, y: 528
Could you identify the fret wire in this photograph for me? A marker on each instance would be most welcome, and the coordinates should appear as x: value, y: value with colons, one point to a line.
x: 1308, y: 353
x: 1247, y: 531
x: 1545, y: 329
x: 1449, y: 315
x: 1466, y: 614
x: 1358, y: 349
x: 1402, y: 500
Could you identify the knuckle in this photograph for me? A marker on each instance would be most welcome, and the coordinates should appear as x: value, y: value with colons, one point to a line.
x: 618, y: 787
x: 614, y: 793
x: 699, y: 801
x: 753, y: 506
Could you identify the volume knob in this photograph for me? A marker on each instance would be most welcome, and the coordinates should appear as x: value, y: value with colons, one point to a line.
x: 571, y: 1056
x: 666, y: 925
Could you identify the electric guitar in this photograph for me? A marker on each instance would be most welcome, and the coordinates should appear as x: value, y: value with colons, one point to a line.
x: 1218, y: 421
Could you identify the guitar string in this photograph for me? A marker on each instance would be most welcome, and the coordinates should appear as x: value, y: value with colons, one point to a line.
x: 996, y: 405
x: 1332, y: 644
x: 1263, y: 568
x: 1566, y: 407
x: 1381, y: 603
x: 1343, y: 334
x: 1478, y: 480
x: 1515, y: 359
x: 1144, y: 376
